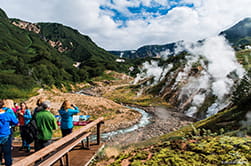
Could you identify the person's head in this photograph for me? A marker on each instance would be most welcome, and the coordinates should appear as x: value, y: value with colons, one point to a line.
x: 40, y: 101
x: 23, y: 105
x: 46, y: 105
x: 16, y: 104
x: 8, y: 103
x: 66, y: 105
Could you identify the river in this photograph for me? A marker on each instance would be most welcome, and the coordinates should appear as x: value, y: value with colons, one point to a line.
x: 145, y: 120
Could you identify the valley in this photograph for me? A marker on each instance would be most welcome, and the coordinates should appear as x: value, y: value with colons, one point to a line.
x: 195, y: 94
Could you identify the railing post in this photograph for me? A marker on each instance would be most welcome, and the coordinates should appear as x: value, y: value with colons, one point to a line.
x: 98, y: 133
x: 87, y: 143
x: 67, y: 159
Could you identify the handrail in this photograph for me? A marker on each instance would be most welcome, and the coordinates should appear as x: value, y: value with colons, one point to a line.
x: 52, y: 147
x: 60, y: 153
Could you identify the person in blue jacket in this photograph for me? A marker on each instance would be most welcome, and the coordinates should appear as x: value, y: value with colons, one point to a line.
x: 6, y: 120
x: 24, y: 117
x: 66, y: 112
x: 8, y: 104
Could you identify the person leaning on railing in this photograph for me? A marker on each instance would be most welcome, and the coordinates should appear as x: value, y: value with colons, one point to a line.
x: 46, y: 123
x: 66, y: 112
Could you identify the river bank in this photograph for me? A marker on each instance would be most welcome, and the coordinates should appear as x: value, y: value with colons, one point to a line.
x: 163, y: 120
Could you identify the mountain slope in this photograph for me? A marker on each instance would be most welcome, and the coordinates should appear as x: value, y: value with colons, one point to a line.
x: 147, y: 51
x: 27, y: 61
x: 239, y: 35
x: 30, y: 58
x: 77, y: 46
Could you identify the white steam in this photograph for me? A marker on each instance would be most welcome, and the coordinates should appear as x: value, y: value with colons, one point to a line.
x: 152, y: 70
x: 165, y: 54
x: 209, y: 69
x: 247, y: 123
x: 218, y: 60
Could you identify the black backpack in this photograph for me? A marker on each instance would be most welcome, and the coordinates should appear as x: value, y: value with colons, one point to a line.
x: 30, y: 131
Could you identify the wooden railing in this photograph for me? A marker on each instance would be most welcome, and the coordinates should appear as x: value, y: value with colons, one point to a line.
x: 55, y: 151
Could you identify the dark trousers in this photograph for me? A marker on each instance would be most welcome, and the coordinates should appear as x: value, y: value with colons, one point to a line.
x: 6, y: 150
x: 66, y: 131
x: 24, y: 143
x: 39, y: 144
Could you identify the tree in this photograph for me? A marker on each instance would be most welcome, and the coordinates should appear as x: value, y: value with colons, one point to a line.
x: 242, y: 92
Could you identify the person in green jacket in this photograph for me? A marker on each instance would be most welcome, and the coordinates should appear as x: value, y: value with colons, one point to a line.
x: 46, y: 123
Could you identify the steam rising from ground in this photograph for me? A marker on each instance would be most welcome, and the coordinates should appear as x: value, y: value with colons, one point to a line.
x: 219, y: 70
x: 247, y: 123
x: 152, y: 70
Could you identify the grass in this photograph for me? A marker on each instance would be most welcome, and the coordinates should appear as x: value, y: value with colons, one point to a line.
x: 244, y: 57
x: 129, y: 95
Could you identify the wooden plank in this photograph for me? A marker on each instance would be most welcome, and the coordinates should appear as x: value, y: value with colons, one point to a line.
x: 63, y: 151
x: 50, y: 148
x: 83, y: 157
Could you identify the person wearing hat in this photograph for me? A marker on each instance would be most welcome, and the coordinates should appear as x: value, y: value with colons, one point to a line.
x: 46, y: 123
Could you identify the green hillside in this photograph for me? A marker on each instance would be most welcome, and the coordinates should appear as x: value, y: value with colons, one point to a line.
x: 28, y: 61
x: 79, y: 47
x: 239, y: 35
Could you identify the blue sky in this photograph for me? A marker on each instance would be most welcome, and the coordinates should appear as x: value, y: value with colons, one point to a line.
x: 130, y: 24
x: 142, y: 11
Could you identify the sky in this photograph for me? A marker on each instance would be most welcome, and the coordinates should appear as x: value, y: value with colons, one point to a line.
x: 130, y: 24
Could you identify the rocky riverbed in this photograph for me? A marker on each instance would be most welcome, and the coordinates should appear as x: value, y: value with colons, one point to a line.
x: 163, y: 120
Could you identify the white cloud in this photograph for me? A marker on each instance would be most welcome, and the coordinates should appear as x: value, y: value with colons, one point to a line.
x: 205, y: 19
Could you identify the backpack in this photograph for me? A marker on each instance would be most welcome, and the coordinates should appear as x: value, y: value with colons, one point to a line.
x: 30, y: 131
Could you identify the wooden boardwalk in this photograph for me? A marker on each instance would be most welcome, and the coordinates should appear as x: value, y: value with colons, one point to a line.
x: 77, y: 156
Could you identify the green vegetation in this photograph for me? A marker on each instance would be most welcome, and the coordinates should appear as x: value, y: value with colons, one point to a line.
x: 218, y: 150
x: 128, y: 95
x: 3, y: 14
x: 27, y: 61
x: 81, y: 48
x: 244, y: 57
x: 242, y: 93
x: 194, y: 147
x: 239, y: 35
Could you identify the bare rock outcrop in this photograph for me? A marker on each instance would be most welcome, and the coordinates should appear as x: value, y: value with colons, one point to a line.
x: 27, y: 25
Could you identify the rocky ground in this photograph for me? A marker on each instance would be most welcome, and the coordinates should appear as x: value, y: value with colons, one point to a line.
x: 116, y: 116
x: 163, y: 120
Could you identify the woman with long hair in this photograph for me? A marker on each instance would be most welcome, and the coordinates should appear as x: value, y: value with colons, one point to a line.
x: 66, y: 112
x: 8, y: 104
x: 24, y: 117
